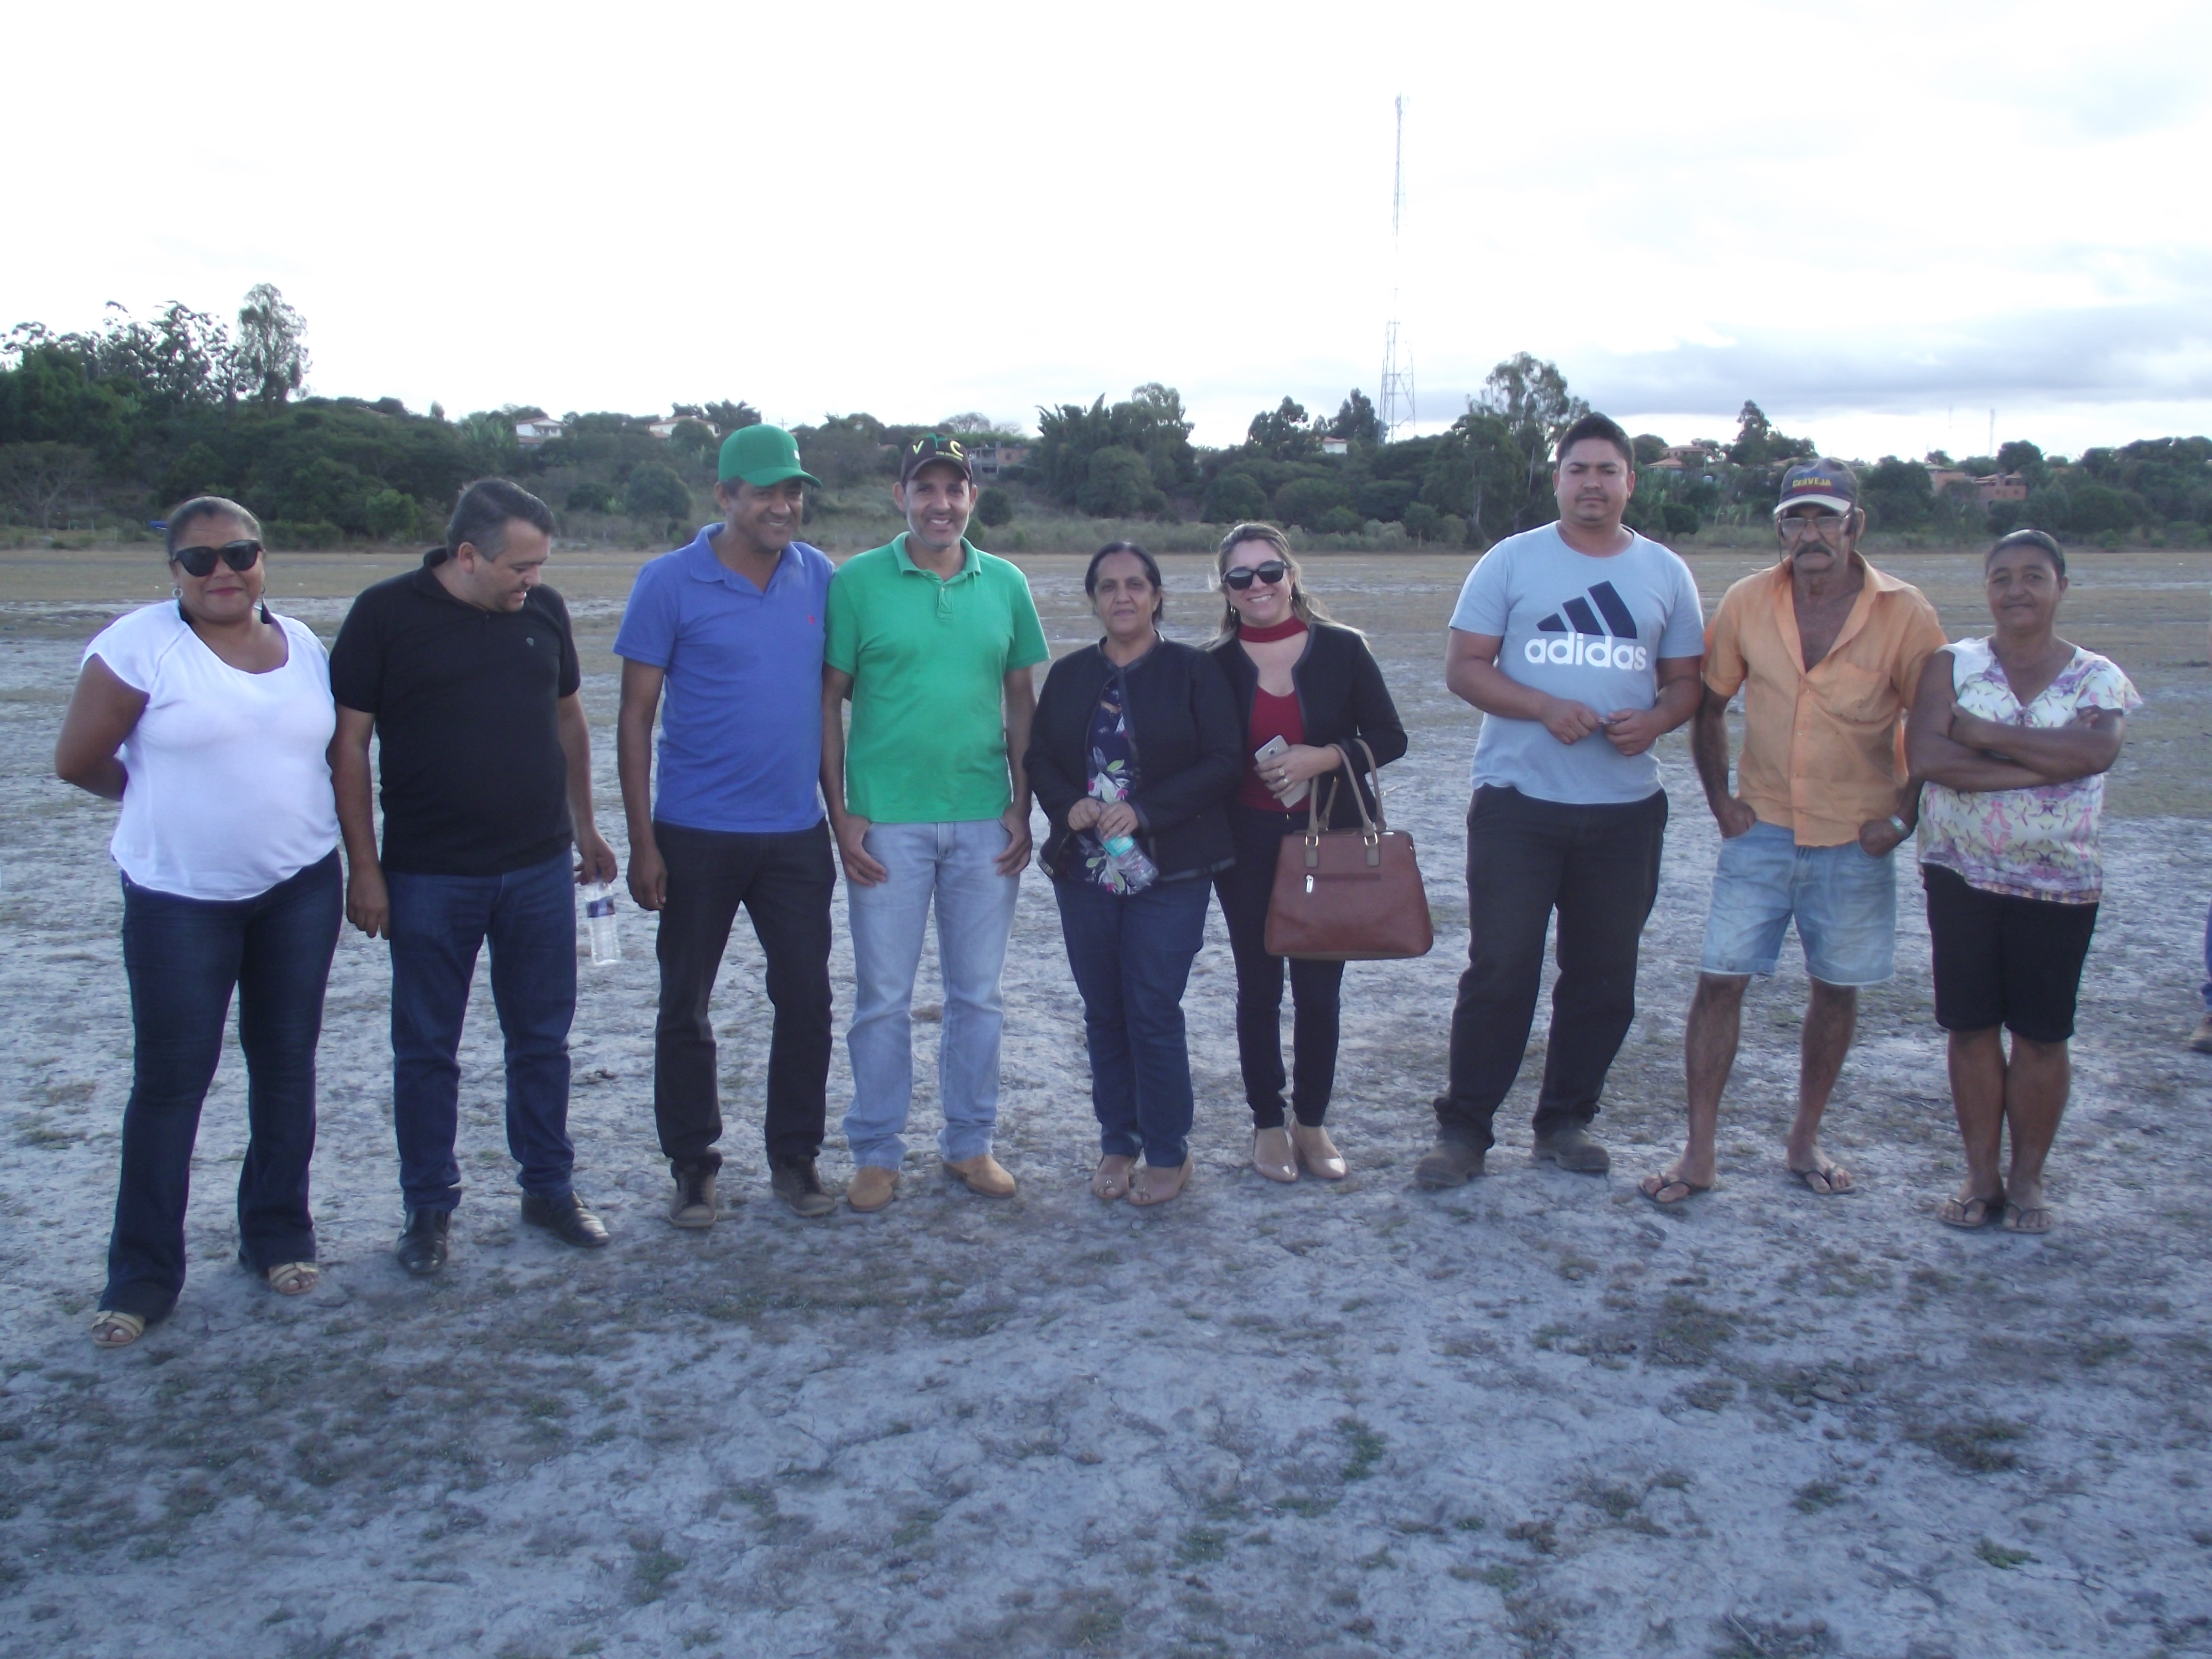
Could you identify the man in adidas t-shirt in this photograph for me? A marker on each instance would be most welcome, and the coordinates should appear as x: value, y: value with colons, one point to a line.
x: 1580, y: 643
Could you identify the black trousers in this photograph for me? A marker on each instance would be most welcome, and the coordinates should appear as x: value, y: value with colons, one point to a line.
x: 1598, y: 867
x: 1244, y: 889
x: 784, y: 882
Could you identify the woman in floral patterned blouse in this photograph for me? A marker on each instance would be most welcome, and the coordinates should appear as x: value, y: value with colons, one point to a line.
x: 2013, y: 734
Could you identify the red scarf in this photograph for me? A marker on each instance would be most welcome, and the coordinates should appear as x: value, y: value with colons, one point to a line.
x: 1281, y: 630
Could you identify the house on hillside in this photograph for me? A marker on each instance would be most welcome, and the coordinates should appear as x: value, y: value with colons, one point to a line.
x: 991, y: 459
x: 1949, y: 481
x: 1690, y: 456
x: 2002, y: 487
x: 538, y: 429
x: 665, y: 429
x: 1335, y: 446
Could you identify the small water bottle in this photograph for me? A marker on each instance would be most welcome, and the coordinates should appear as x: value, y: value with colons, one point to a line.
x: 600, y: 921
x: 1128, y: 861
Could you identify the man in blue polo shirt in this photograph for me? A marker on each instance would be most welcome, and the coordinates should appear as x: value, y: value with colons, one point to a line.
x: 730, y: 628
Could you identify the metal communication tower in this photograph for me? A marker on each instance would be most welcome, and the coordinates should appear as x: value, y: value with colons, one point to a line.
x: 1397, y: 400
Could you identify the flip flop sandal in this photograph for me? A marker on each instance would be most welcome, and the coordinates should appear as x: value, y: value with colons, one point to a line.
x: 114, y: 1328
x: 2020, y: 1212
x: 1992, y: 1209
x: 293, y: 1277
x: 1805, y: 1178
x: 1668, y: 1184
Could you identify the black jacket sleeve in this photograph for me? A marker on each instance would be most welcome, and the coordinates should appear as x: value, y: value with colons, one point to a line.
x: 1056, y: 769
x: 1212, y: 710
x: 1375, y: 717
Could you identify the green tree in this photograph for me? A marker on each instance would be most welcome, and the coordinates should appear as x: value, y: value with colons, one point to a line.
x: 726, y: 417
x: 391, y: 515
x: 38, y: 479
x: 1387, y: 499
x: 1305, y: 500
x: 1356, y: 420
x: 654, y: 492
x: 1650, y: 447
x: 1898, y: 495
x: 1341, y: 521
x: 1758, y: 445
x: 2094, y: 508
x: 1118, y: 484
x: 1234, y: 498
x: 994, y: 507
x: 1150, y: 421
x: 1284, y: 433
x: 272, y: 346
x: 590, y: 495
x: 2024, y: 458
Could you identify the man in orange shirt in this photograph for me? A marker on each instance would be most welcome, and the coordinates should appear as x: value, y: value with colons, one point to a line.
x: 1827, y: 651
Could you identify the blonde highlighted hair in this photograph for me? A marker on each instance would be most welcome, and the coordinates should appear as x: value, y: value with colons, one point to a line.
x: 1303, y: 606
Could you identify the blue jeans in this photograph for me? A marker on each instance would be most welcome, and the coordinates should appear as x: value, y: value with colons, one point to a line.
x: 438, y: 922
x: 1131, y: 957
x: 183, y: 956
x: 951, y: 864
x: 1845, y: 904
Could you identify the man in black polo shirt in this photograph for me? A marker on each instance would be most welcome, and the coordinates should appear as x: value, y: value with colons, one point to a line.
x: 467, y: 672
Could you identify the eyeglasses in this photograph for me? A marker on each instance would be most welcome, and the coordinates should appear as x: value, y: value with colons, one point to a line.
x: 200, y: 561
x: 1827, y: 526
x: 1244, y: 575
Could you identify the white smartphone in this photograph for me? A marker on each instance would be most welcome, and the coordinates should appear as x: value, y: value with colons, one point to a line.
x: 1267, y: 751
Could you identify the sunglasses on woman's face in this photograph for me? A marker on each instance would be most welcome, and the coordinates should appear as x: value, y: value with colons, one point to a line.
x: 200, y: 561
x: 1244, y: 575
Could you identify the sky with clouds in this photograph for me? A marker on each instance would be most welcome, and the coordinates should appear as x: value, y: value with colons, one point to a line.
x: 1882, y: 221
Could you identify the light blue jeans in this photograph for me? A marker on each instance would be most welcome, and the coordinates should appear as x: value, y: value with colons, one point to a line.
x: 951, y: 864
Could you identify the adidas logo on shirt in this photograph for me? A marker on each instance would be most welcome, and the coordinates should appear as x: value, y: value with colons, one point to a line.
x: 1585, y: 640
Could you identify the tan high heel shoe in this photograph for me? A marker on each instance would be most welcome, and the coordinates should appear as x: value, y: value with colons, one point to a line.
x: 1273, y: 1155
x: 1318, y: 1152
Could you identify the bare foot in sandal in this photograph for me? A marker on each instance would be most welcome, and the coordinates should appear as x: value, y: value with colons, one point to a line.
x: 2028, y: 1212
x: 1673, y: 1185
x: 1822, y: 1174
x: 1111, y: 1179
x: 1969, y: 1210
x: 114, y: 1328
x: 293, y: 1277
x: 1152, y: 1185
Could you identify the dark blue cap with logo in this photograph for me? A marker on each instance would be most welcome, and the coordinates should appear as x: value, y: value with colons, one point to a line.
x: 932, y: 448
x: 1824, y: 483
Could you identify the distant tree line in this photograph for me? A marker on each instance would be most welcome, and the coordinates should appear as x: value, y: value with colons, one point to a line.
x: 128, y: 419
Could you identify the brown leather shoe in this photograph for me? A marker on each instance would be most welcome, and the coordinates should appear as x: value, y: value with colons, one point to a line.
x: 1318, y: 1152
x: 1448, y: 1164
x: 871, y: 1188
x: 982, y: 1174
x: 1273, y: 1154
x: 693, y: 1202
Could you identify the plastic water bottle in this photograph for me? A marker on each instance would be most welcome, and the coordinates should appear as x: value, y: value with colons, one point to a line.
x: 600, y: 921
x: 1127, y: 860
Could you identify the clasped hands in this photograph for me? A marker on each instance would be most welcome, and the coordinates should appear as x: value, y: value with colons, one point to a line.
x: 1630, y: 731
x: 1108, y: 818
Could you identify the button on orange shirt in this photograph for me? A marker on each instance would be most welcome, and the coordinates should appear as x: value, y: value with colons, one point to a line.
x: 1823, y: 753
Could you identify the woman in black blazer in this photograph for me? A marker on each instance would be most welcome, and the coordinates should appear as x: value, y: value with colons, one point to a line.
x: 1298, y: 677
x: 1132, y: 749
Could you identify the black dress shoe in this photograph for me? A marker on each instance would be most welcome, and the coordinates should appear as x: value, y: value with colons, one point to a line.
x: 568, y: 1219
x: 422, y: 1248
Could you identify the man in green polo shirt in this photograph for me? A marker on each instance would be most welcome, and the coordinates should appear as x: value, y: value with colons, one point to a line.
x: 933, y: 641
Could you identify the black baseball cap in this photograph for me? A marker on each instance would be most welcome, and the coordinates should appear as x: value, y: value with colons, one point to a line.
x: 933, y: 447
x: 1824, y: 483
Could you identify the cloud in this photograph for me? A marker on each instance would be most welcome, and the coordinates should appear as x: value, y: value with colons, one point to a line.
x: 2158, y: 350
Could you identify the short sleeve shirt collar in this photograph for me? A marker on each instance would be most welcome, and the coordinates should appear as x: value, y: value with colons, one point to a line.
x: 701, y: 563
x: 969, y: 559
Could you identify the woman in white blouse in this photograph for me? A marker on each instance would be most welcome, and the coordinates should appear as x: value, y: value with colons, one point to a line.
x: 211, y: 720
x: 2013, y: 734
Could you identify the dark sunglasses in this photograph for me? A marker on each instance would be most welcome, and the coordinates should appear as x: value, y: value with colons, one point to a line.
x: 200, y: 561
x: 1244, y: 575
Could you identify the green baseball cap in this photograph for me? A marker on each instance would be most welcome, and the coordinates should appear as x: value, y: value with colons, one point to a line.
x: 762, y: 455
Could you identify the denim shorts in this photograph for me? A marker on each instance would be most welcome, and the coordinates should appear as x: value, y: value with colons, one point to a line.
x: 1845, y: 904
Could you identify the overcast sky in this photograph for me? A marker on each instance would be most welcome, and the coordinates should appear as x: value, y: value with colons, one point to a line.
x: 1879, y: 220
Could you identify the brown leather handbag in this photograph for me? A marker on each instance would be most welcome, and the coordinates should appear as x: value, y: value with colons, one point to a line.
x: 1348, y: 895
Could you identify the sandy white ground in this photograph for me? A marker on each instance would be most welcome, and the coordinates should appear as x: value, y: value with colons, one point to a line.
x: 1535, y: 1416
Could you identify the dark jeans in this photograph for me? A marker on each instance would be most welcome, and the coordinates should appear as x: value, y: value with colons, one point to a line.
x: 1244, y: 888
x: 438, y: 923
x: 784, y: 882
x: 1131, y: 956
x: 183, y: 956
x: 1598, y: 867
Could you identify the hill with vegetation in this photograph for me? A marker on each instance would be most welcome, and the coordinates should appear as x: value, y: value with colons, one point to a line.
x: 102, y: 431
